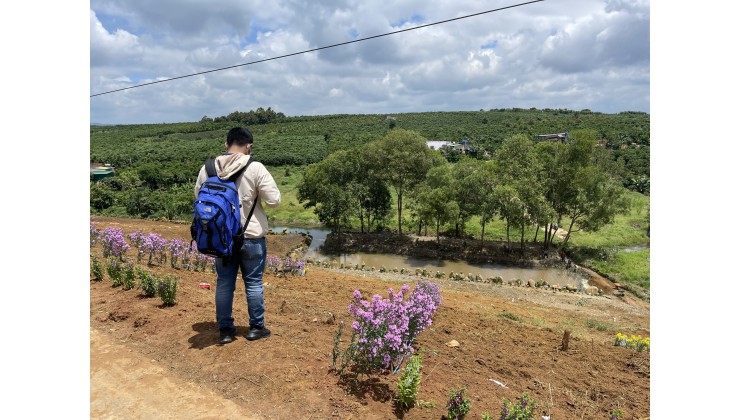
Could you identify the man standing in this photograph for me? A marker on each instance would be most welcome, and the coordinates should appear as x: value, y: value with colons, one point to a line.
x: 255, y: 183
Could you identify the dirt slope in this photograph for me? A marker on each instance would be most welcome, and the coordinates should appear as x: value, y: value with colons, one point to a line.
x: 150, y: 361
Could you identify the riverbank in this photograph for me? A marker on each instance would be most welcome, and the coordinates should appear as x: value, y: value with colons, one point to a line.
x: 470, y: 250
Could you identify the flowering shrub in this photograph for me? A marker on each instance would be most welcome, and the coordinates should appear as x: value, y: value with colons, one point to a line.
x: 457, y: 406
x: 176, y: 248
x: 384, y: 329
x: 273, y: 263
x: 201, y: 261
x: 94, y: 234
x: 276, y: 265
x: 114, y: 245
x: 635, y: 342
x: 523, y: 409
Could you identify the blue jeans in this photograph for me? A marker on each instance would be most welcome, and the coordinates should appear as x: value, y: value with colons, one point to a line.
x: 251, y: 260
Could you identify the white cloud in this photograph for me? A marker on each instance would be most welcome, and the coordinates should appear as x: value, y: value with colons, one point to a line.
x: 567, y: 54
x: 106, y: 47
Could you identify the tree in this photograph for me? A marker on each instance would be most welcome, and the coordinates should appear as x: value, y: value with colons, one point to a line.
x: 401, y: 159
x: 321, y: 188
x: 435, y: 202
x: 466, y: 191
x: 580, y: 186
x: 519, y: 194
x: 101, y: 196
x: 599, y: 198
x: 485, y: 203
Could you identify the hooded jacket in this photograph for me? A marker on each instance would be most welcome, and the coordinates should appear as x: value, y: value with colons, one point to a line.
x: 255, y: 181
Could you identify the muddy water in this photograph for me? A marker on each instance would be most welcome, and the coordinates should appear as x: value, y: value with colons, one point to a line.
x: 390, y: 261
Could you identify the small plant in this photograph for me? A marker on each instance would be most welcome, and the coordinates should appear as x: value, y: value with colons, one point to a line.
x: 167, y: 289
x: 486, y: 416
x: 511, y: 316
x: 597, y: 325
x: 408, y: 384
x: 457, y: 406
x: 615, y: 414
x: 147, y: 284
x: 115, y: 272
x: 96, y: 269
x: 523, y: 409
x: 128, y: 276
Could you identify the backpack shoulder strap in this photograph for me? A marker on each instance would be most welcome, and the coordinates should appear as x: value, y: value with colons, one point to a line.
x: 256, y: 197
x: 211, y: 167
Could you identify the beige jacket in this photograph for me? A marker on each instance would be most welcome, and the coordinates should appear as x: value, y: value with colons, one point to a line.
x: 255, y: 180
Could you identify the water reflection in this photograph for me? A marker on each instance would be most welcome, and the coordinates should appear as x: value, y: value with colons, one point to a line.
x: 390, y: 261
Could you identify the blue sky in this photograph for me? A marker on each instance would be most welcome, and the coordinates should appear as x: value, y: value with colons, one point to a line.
x: 571, y: 54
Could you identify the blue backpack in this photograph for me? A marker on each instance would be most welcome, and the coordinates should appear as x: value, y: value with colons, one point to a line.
x: 216, y: 227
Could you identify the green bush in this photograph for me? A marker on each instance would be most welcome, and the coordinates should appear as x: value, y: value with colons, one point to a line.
x: 408, y: 384
x: 115, y: 272
x: 129, y: 277
x: 96, y: 269
x: 146, y: 282
x: 167, y: 289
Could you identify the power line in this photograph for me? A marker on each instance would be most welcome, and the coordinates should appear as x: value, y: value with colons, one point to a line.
x: 320, y: 48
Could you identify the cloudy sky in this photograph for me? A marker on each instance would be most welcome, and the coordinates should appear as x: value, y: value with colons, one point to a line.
x: 573, y: 54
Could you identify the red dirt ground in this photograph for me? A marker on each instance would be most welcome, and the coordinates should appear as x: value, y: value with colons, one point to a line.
x: 151, y: 361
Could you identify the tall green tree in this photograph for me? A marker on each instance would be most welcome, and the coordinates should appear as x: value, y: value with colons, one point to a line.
x: 486, y: 180
x: 436, y: 203
x: 520, y: 198
x: 401, y: 159
x: 581, y: 186
x: 466, y: 191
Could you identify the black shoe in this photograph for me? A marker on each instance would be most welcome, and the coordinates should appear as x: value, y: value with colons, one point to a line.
x: 227, y: 335
x: 255, y: 332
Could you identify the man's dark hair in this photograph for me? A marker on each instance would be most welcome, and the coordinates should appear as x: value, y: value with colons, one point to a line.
x: 239, y: 136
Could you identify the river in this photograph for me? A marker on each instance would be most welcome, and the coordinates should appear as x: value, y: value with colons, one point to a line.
x: 390, y: 261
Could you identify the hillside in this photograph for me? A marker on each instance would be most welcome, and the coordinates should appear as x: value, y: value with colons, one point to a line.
x: 151, y: 361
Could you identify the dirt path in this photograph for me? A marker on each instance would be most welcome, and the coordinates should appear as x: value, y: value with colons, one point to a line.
x: 126, y: 385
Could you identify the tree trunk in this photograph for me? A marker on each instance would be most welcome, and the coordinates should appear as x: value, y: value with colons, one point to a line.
x: 400, y: 203
x: 508, y: 241
x: 482, y: 228
x: 437, y: 230
x: 536, y: 232
x: 362, y: 220
x: 418, y: 233
x: 522, y: 239
x: 567, y: 236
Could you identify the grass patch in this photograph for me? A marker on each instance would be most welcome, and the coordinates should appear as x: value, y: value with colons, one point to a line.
x: 537, y: 322
x: 511, y: 316
x: 600, y: 325
x: 626, y: 267
x: 291, y: 211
